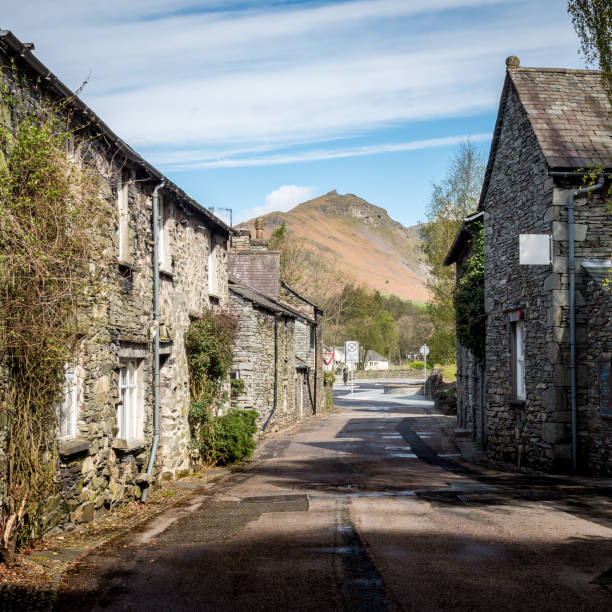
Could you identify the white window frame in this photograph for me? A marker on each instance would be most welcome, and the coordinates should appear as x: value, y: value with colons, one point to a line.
x: 213, y: 284
x: 518, y: 356
x: 124, y: 216
x: 69, y: 406
x: 130, y: 413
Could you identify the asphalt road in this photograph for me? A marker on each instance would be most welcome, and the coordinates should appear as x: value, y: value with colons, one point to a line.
x: 369, y: 508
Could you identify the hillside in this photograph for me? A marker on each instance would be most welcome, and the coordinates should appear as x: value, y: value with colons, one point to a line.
x: 361, y: 238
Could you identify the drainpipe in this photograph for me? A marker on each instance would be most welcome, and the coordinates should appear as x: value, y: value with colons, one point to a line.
x: 572, y: 300
x: 276, y: 366
x: 143, y: 498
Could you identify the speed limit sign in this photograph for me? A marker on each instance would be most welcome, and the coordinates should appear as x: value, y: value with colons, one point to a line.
x: 424, y: 350
x: 351, y: 351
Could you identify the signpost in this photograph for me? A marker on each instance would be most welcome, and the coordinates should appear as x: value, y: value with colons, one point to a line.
x: 424, y: 350
x: 351, y: 356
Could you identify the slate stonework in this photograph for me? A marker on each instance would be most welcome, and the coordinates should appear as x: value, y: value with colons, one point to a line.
x: 520, y: 197
x: 95, y: 469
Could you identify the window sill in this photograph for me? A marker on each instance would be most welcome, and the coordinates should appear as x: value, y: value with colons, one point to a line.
x: 128, y: 446
x: 167, y: 273
x: 75, y: 446
x: 517, y: 402
x: 127, y: 265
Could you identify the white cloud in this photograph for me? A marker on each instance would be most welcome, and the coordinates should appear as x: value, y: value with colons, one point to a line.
x: 182, y: 161
x: 194, y: 75
x: 282, y: 199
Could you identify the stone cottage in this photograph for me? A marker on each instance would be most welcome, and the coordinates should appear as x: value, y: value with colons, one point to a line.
x: 548, y: 241
x: 278, y: 350
x: 123, y: 422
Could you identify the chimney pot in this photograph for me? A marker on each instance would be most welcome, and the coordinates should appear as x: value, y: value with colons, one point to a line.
x: 259, y: 228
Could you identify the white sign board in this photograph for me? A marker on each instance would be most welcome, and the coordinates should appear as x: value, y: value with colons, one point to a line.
x: 535, y: 249
x: 351, y: 351
x: 424, y: 350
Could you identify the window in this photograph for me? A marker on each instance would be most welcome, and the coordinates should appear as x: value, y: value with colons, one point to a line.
x: 163, y: 241
x: 124, y: 217
x: 68, y: 409
x: 213, y: 285
x: 518, y: 359
x: 130, y: 412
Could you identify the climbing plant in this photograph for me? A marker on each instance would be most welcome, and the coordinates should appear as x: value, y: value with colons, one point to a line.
x: 469, y: 298
x: 208, y: 343
x: 48, y: 212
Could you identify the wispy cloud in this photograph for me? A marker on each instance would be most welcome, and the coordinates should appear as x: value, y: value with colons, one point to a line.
x: 211, y: 76
x: 282, y: 199
x: 175, y: 163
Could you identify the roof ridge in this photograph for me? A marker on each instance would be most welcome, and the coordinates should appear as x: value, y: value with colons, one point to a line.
x: 559, y: 70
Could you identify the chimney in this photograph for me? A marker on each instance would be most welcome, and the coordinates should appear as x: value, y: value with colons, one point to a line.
x: 259, y: 228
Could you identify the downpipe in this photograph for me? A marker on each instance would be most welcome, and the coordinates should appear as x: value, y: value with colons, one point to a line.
x: 143, y: 498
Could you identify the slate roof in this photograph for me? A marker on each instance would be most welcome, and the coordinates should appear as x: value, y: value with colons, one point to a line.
x: 14, y: 47
x: 464, y: 234
x: 570, y: 115
x: 569, y: 112
x: 237, y: 286
x: 259, y: 270
x: 256, y: 297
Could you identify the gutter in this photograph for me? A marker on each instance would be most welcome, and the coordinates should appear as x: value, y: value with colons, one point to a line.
x: 143, y: 498
x: 572, y: 296
x: 12, y: 45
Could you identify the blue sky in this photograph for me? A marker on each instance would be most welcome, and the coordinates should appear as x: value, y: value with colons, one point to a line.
x: 259, y: 105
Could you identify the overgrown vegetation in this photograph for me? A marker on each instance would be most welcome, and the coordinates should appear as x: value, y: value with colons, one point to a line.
x: 219, y: 440
x: 229, y: 438
x: 451, y: 201
x: 592, y: 20
x: 49, y: 208
x: 469, y: 298
x: 237, y: 387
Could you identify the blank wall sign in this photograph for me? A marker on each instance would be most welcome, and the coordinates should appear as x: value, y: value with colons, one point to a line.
x: 535, y: 249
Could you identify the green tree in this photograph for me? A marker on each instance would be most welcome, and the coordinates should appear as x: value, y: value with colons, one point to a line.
x: 592, y: 20
x: 455, y: 197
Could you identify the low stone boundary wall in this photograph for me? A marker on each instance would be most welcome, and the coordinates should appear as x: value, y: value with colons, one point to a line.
x: 361, y: 374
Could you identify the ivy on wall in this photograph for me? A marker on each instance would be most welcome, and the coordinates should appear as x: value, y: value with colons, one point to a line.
x: 229, y: 438
x: 49, y: 210
x: 469, y: 298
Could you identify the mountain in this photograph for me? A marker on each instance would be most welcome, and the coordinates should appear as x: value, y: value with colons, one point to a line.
x: 361, y: 239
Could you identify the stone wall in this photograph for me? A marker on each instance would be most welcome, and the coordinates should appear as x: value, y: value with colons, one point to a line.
x: 522, y: 198
x: 264, y: 358
x: 471, y: 411
x: 519, y: 200
x: 96, y: 469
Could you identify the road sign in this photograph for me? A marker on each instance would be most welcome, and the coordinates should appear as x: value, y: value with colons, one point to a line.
x: 424, y: 350
x: 351, y: 351
x: 328, y: 358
